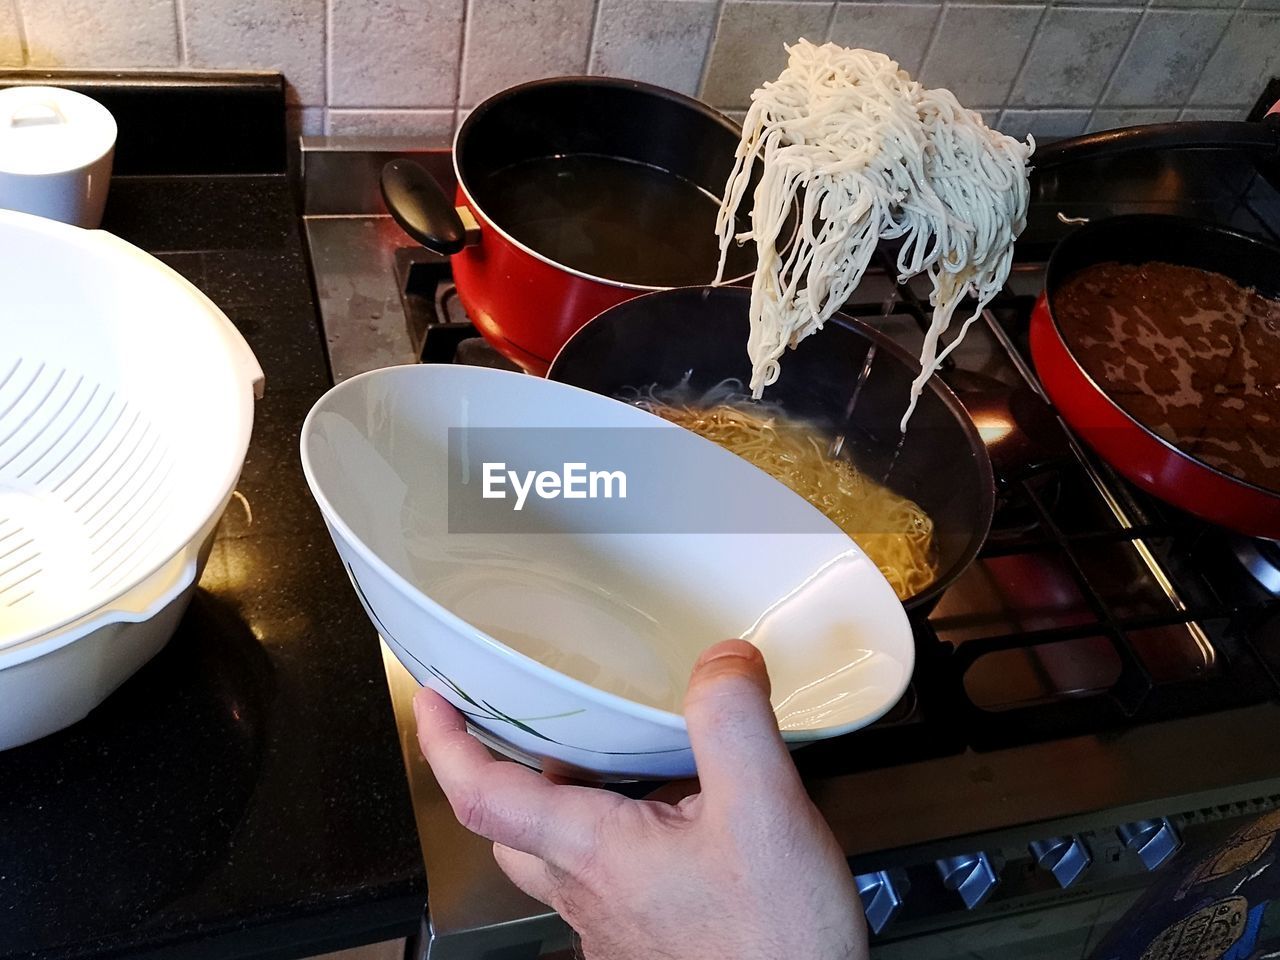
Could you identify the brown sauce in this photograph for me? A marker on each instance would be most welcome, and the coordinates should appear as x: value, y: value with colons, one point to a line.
x: 1190, y: 354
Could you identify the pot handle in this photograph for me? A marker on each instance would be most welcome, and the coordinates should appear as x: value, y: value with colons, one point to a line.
x: 416, y: 202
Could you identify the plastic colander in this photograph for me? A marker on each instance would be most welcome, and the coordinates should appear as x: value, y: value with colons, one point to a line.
x: 126, y: 404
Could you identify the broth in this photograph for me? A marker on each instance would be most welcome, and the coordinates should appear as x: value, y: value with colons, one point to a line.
x: 893, y: 530
x: 612, y: 218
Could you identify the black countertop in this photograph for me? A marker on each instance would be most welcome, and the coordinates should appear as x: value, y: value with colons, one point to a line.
x: 243, y: 794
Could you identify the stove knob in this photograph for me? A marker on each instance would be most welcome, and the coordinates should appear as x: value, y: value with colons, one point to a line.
x: 970, y: 875
x: 1065, y: 857
x: 1155, y: 841
x: 883, y: 893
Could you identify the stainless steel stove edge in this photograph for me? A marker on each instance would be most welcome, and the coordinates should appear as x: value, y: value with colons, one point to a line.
x: 340, y: 174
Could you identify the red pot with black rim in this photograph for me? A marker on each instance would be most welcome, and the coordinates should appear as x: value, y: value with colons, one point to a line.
x: 1088, y: 404
x: 574, y: 194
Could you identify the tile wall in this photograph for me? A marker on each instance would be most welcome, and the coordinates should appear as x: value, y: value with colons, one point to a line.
x: 416, y: 66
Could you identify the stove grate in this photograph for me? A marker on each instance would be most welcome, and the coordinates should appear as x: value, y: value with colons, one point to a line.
x: 1091, y: 608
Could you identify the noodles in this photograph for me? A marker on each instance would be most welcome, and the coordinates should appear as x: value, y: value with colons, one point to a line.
x: 893, y: 531
x: 870, y: 155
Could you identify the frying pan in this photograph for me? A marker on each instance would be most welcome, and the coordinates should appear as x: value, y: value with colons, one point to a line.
x: 694, y: 336
x: 1133, y: 448
x: 1263, y: 136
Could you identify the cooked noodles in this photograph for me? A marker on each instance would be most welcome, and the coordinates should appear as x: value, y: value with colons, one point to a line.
x: 870, y: 155
x: 893, y: 531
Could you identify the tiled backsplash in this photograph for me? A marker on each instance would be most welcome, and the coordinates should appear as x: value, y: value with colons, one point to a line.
x: 416, y: 66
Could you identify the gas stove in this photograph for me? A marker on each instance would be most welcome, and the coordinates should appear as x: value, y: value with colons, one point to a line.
x: 1099, y: 688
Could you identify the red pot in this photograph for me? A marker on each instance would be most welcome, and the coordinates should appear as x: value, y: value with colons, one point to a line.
x: 523, y: 295
x: 1139, y: 454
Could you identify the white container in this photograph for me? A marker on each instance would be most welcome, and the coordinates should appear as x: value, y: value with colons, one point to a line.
x: 571, y: 648
x: 56, y: 148
x: 126, y: 406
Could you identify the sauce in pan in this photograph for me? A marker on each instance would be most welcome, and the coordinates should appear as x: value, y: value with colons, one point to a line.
x: 612, y: 218
x: 1190, y: 354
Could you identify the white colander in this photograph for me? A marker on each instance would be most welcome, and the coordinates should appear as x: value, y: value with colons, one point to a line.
x: 126, y: 404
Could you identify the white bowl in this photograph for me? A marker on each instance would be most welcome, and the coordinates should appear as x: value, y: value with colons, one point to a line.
x: 570, y: 648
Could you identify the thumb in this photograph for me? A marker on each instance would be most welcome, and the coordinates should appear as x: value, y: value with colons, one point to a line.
x: 732, y: 727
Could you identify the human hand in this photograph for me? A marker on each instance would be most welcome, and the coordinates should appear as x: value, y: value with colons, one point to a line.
x: 746, y: 869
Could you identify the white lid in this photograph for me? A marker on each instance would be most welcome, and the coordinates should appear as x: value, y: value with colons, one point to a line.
x: 50, y: 130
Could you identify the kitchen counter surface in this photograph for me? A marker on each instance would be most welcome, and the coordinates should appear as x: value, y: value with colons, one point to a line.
x: 243, y: 794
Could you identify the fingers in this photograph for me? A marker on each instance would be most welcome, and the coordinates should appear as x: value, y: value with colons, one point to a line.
x: 503, y: 801
x: 732, y: 726
x: 674, y: 791
x: 527, y: 872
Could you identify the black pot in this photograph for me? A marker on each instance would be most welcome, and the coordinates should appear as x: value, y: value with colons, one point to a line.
x: 1260, y: 136
x: 698, y: 336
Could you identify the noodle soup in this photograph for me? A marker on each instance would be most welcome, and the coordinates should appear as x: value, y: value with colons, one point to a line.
x: 894, y: 531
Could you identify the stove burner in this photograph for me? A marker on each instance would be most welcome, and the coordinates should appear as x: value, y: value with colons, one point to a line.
x: 1262, y: 559
x: 439, y: 328
x: 1017, y: 425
